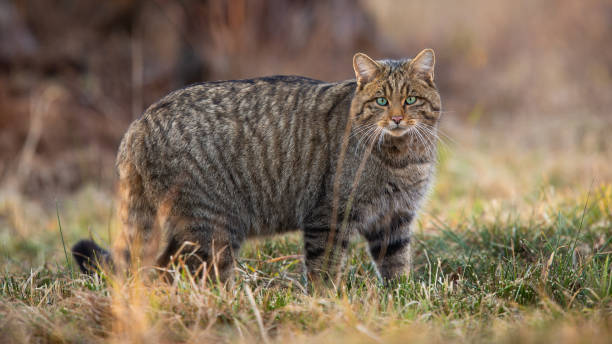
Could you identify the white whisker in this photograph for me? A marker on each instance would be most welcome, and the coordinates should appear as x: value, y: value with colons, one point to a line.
x: 433, y: 133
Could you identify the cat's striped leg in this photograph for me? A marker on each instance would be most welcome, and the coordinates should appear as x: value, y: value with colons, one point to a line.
x: 132, y: 247
x: 325, y: 253
x: 389, y: 245
x: 207, y: 251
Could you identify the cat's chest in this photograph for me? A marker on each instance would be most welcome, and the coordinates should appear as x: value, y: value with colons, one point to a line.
x: 389, y: 190
x: 399, y: 180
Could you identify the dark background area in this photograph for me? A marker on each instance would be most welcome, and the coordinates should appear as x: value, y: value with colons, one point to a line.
x: 75, y: 73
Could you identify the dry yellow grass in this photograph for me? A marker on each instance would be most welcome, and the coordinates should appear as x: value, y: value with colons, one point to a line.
x: 514, y: 246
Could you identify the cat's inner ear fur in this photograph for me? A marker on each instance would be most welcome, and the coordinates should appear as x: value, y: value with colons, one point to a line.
x: 366, y: 69
x: 423, y: 63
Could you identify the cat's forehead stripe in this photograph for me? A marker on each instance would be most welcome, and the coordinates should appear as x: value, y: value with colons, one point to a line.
x: 395, y: 77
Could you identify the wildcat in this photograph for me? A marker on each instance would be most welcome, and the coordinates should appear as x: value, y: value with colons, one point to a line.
x: 219, y: 162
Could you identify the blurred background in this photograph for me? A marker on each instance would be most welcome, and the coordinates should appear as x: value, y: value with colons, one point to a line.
x: 526, y: 85
x: 524, y: 182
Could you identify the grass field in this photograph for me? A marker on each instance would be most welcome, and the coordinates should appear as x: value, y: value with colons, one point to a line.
x: 514, y: 246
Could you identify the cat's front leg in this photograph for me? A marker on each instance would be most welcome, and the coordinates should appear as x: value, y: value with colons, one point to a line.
x: 325, y: 253
x: 389, y: 245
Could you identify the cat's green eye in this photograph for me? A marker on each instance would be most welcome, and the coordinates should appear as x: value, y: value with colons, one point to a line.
x: 382, y: 101
x: 410, y: 100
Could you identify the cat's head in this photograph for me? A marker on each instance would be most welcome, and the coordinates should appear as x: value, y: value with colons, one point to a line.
x: 396, y: 97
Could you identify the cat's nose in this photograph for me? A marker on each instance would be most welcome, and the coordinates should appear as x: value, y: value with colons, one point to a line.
x: 397, y: 119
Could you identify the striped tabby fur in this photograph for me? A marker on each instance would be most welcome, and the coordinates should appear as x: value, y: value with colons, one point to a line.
x: 219, y: 162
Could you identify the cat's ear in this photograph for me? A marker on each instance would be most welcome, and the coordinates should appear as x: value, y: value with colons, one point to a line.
x: 423, y: 63
x: 365, y: 68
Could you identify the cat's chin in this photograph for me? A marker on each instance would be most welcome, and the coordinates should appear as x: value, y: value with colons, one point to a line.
x: 396, y: 132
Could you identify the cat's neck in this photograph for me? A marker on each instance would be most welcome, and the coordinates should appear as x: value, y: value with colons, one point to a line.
x: 399, y: 152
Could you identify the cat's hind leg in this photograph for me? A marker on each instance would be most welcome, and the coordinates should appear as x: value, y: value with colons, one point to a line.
x: 139, y: 234
x: 207, y: 251
x: 138, y: 229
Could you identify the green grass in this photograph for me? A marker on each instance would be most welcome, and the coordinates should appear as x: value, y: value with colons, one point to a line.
x: 513, y: 247
x: 528, y: 277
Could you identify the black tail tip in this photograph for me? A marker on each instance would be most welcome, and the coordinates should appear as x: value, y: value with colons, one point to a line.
x: 90, y: 256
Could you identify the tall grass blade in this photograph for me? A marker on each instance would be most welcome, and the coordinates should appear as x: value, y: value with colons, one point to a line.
x: 59, y: 223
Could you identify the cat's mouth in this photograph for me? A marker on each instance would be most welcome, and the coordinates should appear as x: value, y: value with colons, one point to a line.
x: 396, y: 131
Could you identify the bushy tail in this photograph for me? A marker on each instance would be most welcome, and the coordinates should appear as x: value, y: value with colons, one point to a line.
x: 90, y: 256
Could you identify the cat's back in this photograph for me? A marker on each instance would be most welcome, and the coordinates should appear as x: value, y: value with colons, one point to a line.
x: 215, y: 108
x: 250, y: 144
x: 217, y: 100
